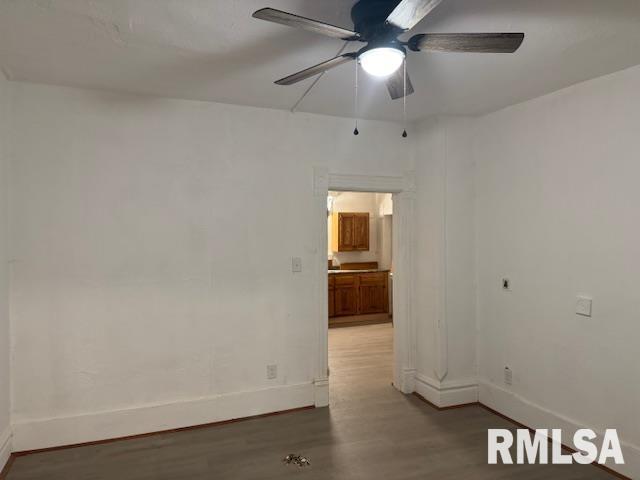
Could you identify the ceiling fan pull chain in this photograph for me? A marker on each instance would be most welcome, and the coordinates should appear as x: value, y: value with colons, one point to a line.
x: 404, y: 100
x: 356, y: 131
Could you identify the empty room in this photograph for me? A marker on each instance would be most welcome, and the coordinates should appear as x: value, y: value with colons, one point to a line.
x: 338, y: 239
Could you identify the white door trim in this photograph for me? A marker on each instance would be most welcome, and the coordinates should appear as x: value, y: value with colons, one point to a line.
x: 405, y: 347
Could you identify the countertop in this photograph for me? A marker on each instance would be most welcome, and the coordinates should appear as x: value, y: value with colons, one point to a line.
x: 337, y: 272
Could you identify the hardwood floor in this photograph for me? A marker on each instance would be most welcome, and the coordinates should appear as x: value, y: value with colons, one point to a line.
x: 370, y: 432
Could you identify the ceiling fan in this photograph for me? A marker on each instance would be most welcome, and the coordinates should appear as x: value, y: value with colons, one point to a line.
x: 378, y: 23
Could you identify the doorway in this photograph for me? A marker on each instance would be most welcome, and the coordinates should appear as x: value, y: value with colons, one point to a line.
x: 403, y: 345
x: 360, y: 292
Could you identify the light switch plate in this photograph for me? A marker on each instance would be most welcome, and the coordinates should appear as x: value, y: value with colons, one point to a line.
x: 583, y: 306
x: 296, y: 264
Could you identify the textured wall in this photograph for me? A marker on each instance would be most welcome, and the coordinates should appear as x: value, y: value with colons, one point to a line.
x: 5, y: 355
x: 557, y: 213
x: 148, y: 269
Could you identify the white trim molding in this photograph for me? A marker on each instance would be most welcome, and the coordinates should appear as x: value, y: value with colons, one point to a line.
x: 321, y: 377
x: 60, y: 431
x: 405, y: 332
x: 369, y: 183
x: 447, y: 393
x: 408, y: 384
x: 5, y: 447
x: 321, y: 392
x: 534, y: 416
x: 403, y: 189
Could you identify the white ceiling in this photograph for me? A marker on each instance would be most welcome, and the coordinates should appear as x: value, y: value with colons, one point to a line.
x: 214, y: 50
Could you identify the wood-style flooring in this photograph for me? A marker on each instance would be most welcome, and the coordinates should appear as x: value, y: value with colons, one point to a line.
x: 370, y: 432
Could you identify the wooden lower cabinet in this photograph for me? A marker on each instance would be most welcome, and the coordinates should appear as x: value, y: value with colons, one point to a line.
x: 358, y: 294
x: 332, y: 296
x: 374, y: 296
x: 346, y: 295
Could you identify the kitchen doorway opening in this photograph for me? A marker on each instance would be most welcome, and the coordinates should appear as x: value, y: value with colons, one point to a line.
x: 359, y: 294
x: 403, y: 350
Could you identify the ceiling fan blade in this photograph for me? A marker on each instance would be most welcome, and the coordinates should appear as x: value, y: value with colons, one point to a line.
x: 291, y: 20
x: 467, y: 42
x: 409, y: 12
x: 316, y: 69
x: 395, y: 84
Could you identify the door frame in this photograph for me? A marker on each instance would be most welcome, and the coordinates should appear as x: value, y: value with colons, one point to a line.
x: 404, y: 339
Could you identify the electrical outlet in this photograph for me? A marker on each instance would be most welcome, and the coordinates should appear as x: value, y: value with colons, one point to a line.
x: 508, y: 376
x: 583, y: 306
x: 296, y: 264
x: 272, y: 372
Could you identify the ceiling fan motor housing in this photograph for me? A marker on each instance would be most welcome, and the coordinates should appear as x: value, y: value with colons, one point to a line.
x: 369, y: 19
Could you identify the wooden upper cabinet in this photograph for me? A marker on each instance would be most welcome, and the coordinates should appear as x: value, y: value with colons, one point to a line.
x: 361, y: 231
x: 350, y: 232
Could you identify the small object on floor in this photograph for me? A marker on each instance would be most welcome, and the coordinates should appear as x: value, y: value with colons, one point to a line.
x: 298, y: 460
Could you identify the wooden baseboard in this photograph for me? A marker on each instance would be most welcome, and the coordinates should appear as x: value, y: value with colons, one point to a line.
x: 354, y: 320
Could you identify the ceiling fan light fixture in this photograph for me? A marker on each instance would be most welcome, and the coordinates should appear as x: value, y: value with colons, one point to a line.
x: 381, y: 61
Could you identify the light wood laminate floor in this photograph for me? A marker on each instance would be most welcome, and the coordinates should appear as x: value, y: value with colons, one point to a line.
x: 370, y: 432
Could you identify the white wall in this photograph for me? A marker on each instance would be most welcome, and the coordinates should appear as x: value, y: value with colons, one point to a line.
x: 444, y: 273
x: 5, y: 356
x: 150, y: 289
x: 557, y: 213
x: 147, y: 269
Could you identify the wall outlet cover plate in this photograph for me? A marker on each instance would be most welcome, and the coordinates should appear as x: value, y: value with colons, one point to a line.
x: 583, y: 306
x: 296, y: 264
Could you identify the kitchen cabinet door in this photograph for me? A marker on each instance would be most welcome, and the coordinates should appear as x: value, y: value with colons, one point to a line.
x: 373, y: 293
x: 361, y: 231
x: 332, y: 296
x: 350, y: 232
x: 346, y: 225
x: 345, y: 295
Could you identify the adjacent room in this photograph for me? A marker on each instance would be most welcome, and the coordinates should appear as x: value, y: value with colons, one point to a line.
x: 359, y: 228
x: 338, y: 239
x: 360, y: 294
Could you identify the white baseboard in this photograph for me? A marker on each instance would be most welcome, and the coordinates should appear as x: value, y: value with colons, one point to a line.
x: 534, y: 416
x: 447, y: 393
x: 407, y: 380
x: 5, y: 447
x: 321, y: 392
x: 53, y: 432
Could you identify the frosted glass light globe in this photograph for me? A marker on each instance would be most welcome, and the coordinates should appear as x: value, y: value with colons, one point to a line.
x: 381, y: 62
